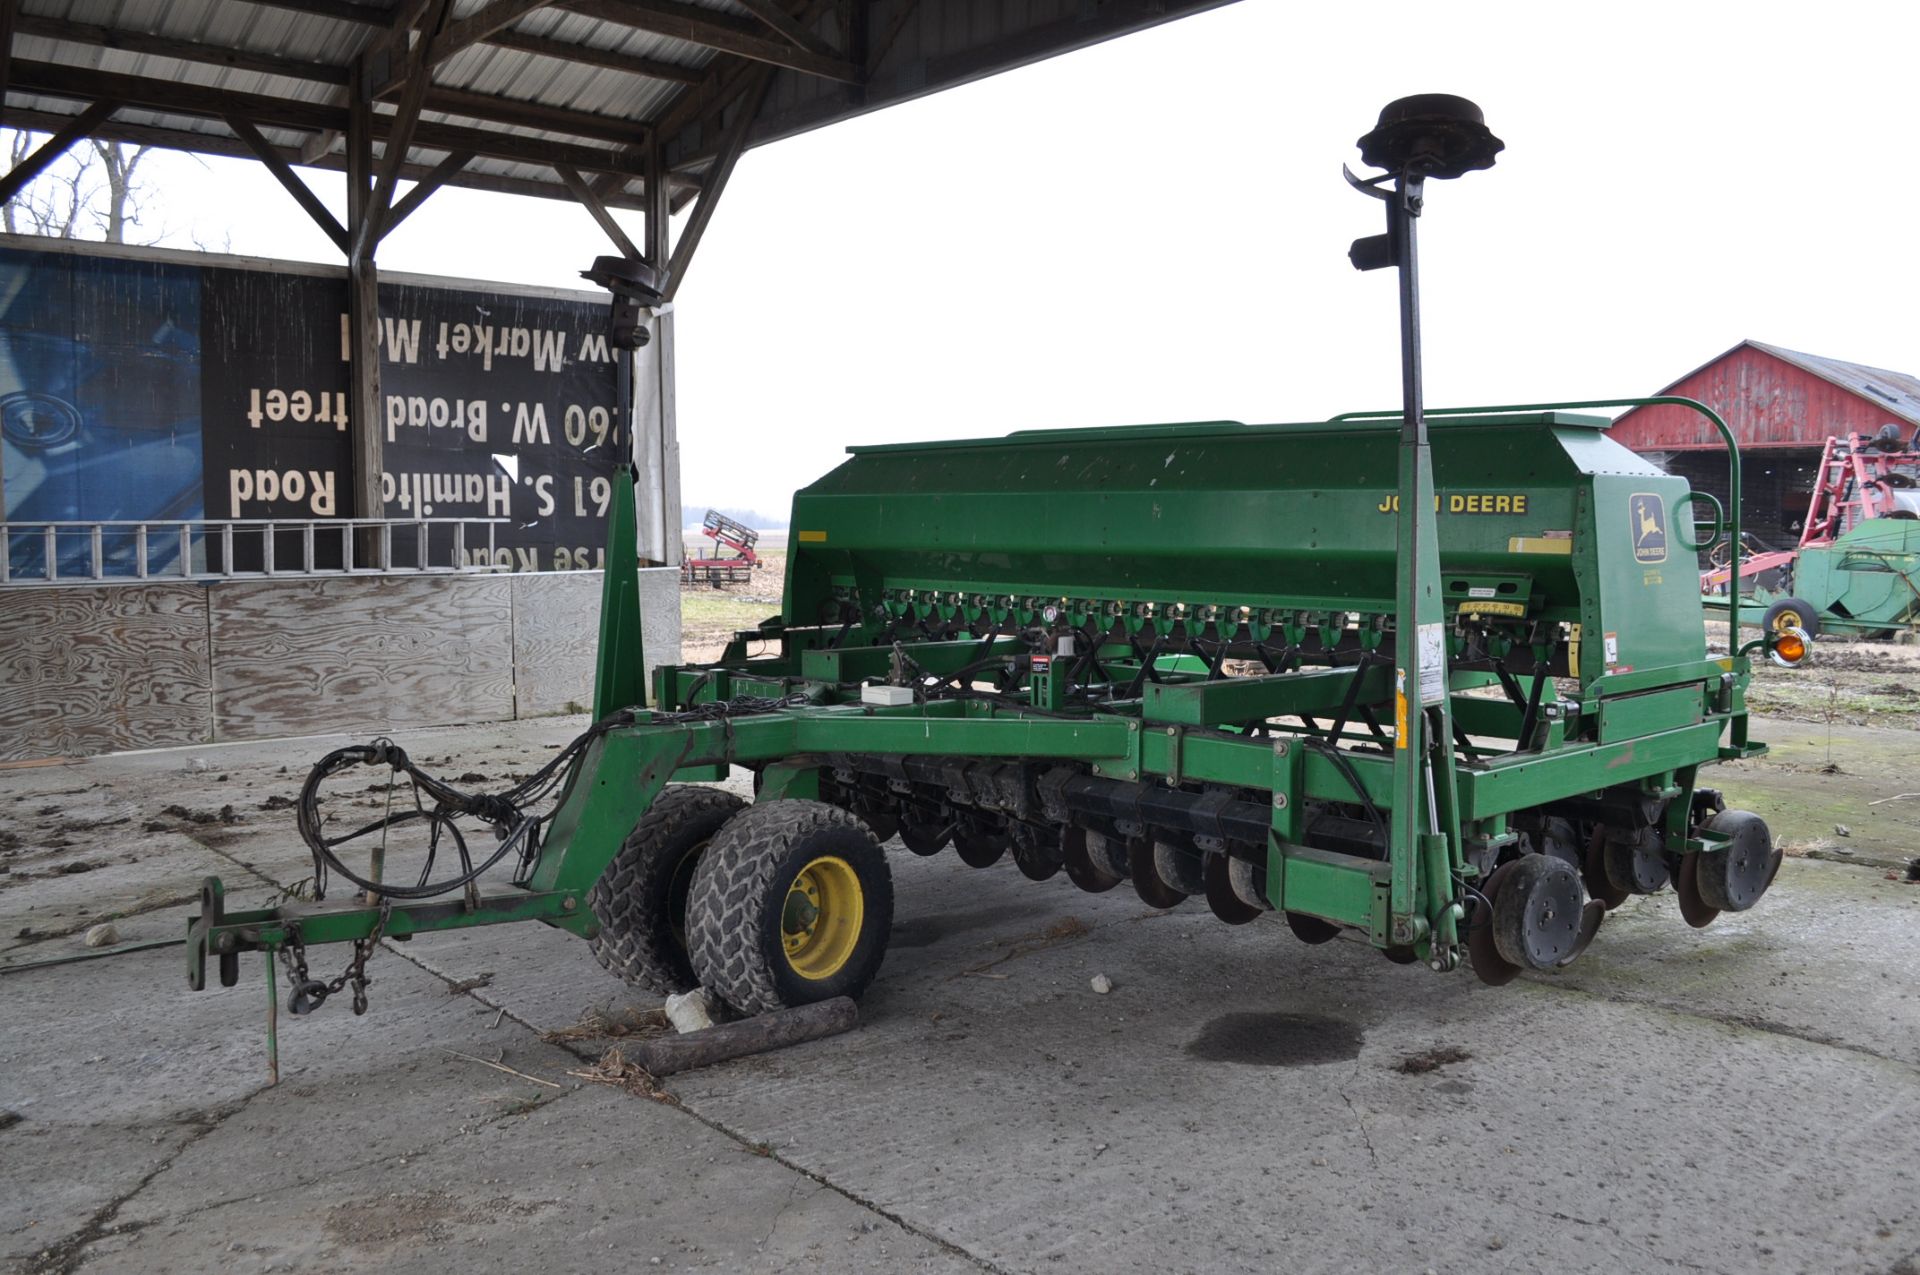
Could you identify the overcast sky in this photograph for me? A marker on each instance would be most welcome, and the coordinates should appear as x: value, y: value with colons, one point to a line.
x: 1156, y: 229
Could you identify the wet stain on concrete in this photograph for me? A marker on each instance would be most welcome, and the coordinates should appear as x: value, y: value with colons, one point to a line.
x: 925, y: 931
x: 1277, y: 1040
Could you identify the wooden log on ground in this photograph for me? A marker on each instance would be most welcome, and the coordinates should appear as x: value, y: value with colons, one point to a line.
x: 665, y: 1055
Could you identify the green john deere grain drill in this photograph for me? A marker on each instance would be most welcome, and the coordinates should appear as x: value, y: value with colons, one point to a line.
x: 1441, y: 686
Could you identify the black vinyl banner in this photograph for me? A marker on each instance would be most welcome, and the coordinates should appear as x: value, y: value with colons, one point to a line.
x: 496, y: 406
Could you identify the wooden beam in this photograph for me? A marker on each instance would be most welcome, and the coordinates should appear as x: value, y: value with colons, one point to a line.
x: 659, y: 213
x: 799, y: 36
x: 548, y: 119
x: 588, y: 55
x: 53, y: 148
x: 302, y: 193
x: 476, y: 27
x: 8, y: 18
x: 876, y: 54
x: 101, y: 37
x: 221, y: 144
x: 591, y: 202
x: 85, y: 84
x: 731, y: 147
x: 372, y: 15
x: 714, y: 30
x: 406, y: 116
x: 722, y: 81
x: 366, y: 410
x: 316, y: 147
x: 424, y: 187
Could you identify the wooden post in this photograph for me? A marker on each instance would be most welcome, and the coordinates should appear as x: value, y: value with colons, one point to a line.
x: 7, y: 8
x: 363, y: 306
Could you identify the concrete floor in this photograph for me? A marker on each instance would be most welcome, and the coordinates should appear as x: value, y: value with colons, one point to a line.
x: 1741, y: 1099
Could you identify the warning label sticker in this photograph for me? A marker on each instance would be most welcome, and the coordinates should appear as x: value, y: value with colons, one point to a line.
x: 1433, y: 663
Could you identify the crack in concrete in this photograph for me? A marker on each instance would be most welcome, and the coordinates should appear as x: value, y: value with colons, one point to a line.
x: 1728, y: 1018
x: 66, y: 1256
x: 416, y: 1152
x: 847, y: 1193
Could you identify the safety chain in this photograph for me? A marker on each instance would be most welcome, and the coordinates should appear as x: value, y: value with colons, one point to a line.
x: 309, y: 993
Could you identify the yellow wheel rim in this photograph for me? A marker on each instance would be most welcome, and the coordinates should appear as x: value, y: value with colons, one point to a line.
x: 821, y: 919
x: 1788, y: 620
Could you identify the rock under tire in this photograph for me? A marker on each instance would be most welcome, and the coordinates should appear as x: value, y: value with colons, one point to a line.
x: 740, y: 892
x: 636, y: 898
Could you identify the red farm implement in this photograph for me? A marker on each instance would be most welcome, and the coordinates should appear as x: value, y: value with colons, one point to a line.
x: 722, y: 567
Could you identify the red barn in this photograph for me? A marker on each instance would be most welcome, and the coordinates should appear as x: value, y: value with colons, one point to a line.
x: 1781, y: 405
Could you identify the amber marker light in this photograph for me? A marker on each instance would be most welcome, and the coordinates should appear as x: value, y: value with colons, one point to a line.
x: 1790, y: 647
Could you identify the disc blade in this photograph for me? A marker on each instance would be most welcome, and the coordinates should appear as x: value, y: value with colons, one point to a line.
x: 1311, y: 929
x: 1489, y: 966
x: 1686, y: 887
x: 1226, y: 904
x: 1080, y: 867
x: 1153, y: 892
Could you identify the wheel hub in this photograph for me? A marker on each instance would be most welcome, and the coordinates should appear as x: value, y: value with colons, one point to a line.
x: 821, y: 916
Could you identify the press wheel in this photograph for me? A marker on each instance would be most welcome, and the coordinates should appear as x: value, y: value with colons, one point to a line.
x: 1538, y: 913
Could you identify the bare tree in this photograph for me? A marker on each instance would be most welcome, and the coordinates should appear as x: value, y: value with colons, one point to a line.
x: 96, y: 184
x: 123, y: 200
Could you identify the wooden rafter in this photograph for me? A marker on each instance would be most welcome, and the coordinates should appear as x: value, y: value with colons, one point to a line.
x: 425, y: 186
x: 400, y: 129
x: 196, y: 99
x: 221, y: 144
x: 732, y: 145
x: 796, y: 34
x: 589, y: 55
x: 8, y: 17
x: 597, y: 210
x: 715, y: 30
x: 281, y: 169
x: 99, y: 37
x: 476, y: 27
x: 722, y: 81
x: 81, y: 125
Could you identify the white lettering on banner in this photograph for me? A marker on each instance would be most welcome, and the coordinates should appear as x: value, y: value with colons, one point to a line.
x: 543, y: 490
x: 531, y: 428
x: 313, y: 486
x: 546, y: 346
x: 581, y: 421
x: 593, y: 348
x: 521, y: 559
x: 419, y: 412
x: 422, y: 494
x: 403, y: 339
x: 327, y: 407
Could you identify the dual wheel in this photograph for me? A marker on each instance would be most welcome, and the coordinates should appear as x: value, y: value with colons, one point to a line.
x: 783, y: 903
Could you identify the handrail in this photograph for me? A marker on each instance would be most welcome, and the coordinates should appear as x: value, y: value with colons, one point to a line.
x: 1657, y: 400
x: 127, y: 544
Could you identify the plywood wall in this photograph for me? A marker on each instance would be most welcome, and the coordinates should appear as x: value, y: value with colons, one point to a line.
x: 90, y: 669
x: 338, y: 653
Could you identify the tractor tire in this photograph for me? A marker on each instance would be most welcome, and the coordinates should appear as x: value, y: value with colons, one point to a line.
x: 1792, y: 613
x: 791, y: 904
x: 640, y: 900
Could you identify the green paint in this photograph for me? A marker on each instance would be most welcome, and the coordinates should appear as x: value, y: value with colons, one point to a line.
x: 1296, y: 537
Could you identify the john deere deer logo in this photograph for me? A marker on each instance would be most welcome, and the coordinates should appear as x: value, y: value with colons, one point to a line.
x: 1648, y: 519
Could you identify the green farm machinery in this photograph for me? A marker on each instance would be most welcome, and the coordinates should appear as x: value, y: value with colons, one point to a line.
x: 1857, y: 567
x: 1433, y: 681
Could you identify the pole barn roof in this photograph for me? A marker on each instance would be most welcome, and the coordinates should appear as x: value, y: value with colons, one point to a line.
x: 518, y: 92
x: 1773, y: 397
